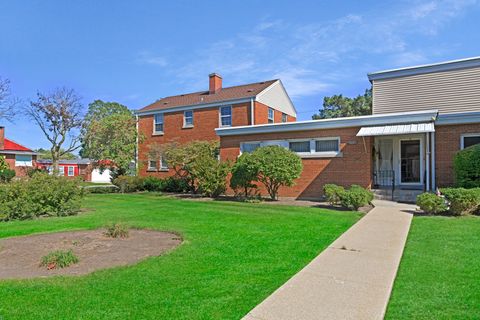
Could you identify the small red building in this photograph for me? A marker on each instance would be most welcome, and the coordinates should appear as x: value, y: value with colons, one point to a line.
x: 18, y: 157
x: 69, y: 168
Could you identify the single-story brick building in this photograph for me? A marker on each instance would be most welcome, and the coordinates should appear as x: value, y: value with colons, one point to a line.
x: 422, y: 116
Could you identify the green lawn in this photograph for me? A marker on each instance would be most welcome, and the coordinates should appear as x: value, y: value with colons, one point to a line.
x: 439, y: 276
x: 233, y: 256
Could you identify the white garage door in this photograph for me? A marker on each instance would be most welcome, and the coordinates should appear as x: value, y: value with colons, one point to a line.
x: 100, y: 177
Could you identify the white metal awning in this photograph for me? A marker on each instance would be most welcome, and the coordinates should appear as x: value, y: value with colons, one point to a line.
x: 396, y: 129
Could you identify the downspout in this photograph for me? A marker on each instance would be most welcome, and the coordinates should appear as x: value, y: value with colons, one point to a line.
x: 434, y: 182
x: 427, y: 162
x: 136, y: 144
x: 252, y: 112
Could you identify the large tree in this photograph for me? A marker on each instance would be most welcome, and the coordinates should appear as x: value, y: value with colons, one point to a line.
x: 338, y: 106
x: 46, y: 154
x: 109, y: 133
x: 7, y: 102
x: 59, y: 115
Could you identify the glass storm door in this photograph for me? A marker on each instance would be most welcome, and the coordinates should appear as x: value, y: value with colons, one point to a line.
x: 410, y: 161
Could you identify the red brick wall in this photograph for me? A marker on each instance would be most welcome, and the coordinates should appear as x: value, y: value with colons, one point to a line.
x: 204, y: 123
x: 354, y: 167
x: 261, y: 114
x: 2, y: 137
x: 447, y: 144
x: 19, y: 171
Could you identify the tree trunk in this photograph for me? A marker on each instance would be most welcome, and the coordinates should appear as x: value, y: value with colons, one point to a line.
x: 55, y: 156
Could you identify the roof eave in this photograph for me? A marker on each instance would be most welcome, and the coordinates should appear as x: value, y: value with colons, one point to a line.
x: 383, y: 119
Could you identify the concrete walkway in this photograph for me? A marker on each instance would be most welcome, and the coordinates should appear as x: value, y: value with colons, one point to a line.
x: 352, y: 278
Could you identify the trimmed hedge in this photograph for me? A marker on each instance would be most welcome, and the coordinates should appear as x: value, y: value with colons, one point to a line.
x: 127, y: 184
x: 333, y: 193
x: 42, y: 195
x: 355, y: 197
x: 431, y: 203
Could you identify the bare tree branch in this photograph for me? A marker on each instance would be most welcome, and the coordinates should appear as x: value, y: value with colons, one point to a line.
x: 8, y: 104
x: 59, y: 115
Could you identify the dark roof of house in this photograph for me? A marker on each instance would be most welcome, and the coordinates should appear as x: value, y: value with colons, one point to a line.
x: 73, y: 161
x: 203, y: 97
x: 10, y: 145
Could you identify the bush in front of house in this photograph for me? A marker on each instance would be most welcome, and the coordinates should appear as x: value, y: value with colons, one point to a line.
x: 430, y: 203
x: 333, y: 193
x: 102, y: 189
x: 128, y: 184
x: 42, y: 195
x: 151, y: 183
x: 276, y: 167
x: 6, y: 175
x: 355, y: 197
x: 244, y: 173
x: 175, y: 185
x: 462, y: 201
x: 466, y: 165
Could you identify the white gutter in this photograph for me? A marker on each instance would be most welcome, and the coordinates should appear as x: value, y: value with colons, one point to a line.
x: 434, y: 183
x: 252, y: 112
x: 192, y: 107
x: 136, y: 144
x: 427, y: 162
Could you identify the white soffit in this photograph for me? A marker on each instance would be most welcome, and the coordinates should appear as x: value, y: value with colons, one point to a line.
x: 396, y: 129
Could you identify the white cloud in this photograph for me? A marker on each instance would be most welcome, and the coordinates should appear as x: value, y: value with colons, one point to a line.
x: 312, y: 58
x: 146, y: 57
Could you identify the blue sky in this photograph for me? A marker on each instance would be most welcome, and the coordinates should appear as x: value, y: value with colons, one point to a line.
x: 135, y: 52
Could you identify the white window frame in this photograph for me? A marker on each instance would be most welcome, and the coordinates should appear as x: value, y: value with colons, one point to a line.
x: 185, y: 125
x: 73, y: 171
x: 155, y: 123
x: 242, y: 144
x: 220, y: 116
x: 61, y: 171
x: 162, y: 166
x: 466, y: 135
x: 312, y: 154
x: 24, y: 163
x: 150, y: 168
x: 272, y: 118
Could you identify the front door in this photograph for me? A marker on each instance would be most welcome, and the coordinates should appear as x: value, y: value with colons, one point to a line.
x: 410, y: 161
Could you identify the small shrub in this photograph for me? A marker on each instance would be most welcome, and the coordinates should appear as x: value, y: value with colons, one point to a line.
x: 355, y: 197
x: 116, y: 230
x: 128, y: 184
x: 6, y: 175
x: 102, y: 189
x: 32, y: 171
x: 212, y: 177
x: 175, y: 185
x: 59, y: 259
x: 153, y: 184
x: 244, y: 173
x: 466, y: 165
x: 462, y: 201
x: 276, y: 167
x: 42, y: 195
x: 431, y: 203
x: 332, y: 193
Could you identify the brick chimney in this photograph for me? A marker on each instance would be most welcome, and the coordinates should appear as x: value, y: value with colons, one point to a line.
x: 2, y: 137
x: 215, y: 83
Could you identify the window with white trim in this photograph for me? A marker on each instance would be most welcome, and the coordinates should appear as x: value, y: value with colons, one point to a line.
x: 61, y: 171
x: 152, y: 164
x: 284, y: 117
x: 300, y: 146
x: 188, y: 118
x: 327, y: 145
x: 226, y: 116
x: 271, y: 115
x: 158, y: 123
x: 469, y: 140
x: 249, y: 146
x: 23, y: 160
x: 71, y: 171
x: 163, y: 163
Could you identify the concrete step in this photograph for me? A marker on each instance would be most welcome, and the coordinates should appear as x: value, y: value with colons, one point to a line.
x: 408, y: 196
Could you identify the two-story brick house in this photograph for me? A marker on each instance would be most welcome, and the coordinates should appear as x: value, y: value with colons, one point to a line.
x: 195, y: 116
x: 422, y: 116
